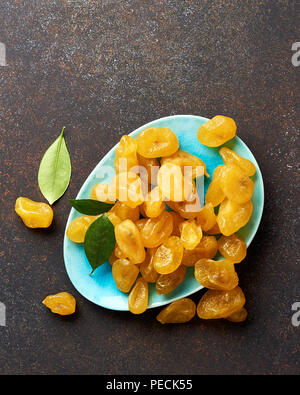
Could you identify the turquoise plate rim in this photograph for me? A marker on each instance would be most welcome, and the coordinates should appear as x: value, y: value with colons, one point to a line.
x: 165, y: 299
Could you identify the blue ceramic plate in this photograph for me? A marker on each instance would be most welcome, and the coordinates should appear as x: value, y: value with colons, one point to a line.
x: 100, y: 287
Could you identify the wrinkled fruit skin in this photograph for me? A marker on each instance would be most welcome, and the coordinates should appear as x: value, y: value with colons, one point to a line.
x: 168, y: 256
x: 62, y: 303
x: 178, y: 312
x: 34, y: 214
x: 218, y: 275
x: 138, y: 297
x: 220, y: 304
x: 155, y: 231
x: 217, y: 131
x: 232, y: 248
x: 233, y: 216
x: 236, y: 185
x: 190, y: 234
x: 207, y: 248
x: 215, y: 194
x: 125, y: 274
x: 156, y: 142
x: 78, y: 227
x: 238, y: 316
x: 126, y: 155
x: 166, y: 283
x: 232, y: 158
x: 129, y: 241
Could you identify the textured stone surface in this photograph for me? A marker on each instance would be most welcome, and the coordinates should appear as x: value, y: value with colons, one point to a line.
x: 103, y: 68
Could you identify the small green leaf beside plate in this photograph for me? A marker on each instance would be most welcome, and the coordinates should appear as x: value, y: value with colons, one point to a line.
x: 55, y: 170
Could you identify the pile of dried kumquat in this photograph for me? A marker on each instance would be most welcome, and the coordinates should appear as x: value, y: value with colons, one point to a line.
x: 158, y: 227
x: 161, y: 229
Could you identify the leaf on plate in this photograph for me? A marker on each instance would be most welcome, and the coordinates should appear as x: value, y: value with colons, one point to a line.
x: 90, y: 206
x: 55, y: 170
x: 99, y: 241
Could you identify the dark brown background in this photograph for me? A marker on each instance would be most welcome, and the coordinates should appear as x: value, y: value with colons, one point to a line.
x: 104, y: 68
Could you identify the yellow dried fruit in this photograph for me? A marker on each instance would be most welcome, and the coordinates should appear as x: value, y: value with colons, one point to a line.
x: 215, y: 194
x: 34, y: 214
x: 168, y: 256
x: 156, y: 142
x: 219, y: 275
x: 122, y: 211
x: 184, y: 159
x: 138, y: 297
x: 125, y: 274
x: 126, y: 155
x: 180, y: 311
x: 207, y: 248
x: 232, y: 158
x: 217, y: 131
x: 78, y: 227
x: 154, y: 231
x: 166, y: 283
x: 129, y: 241
x: 220, y: 304
x: 232, y: 248
x: 236, y: 185
x: 62, y: 303
x: 190, y: 234
x: 233, y: 216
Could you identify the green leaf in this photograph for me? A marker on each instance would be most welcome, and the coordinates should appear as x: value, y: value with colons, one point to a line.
x: 90, y: 206
x: 55, y: 170
x: 99, y: 241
